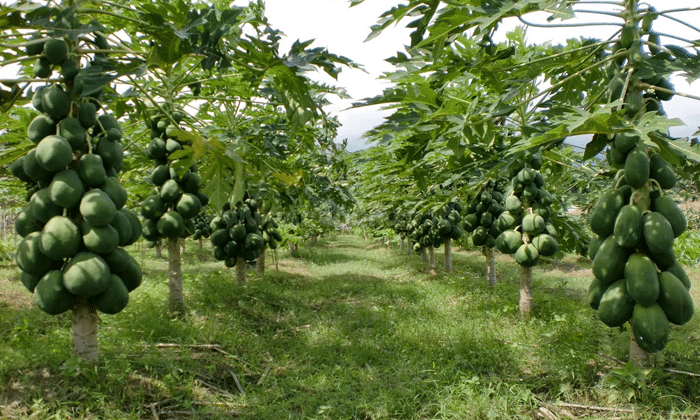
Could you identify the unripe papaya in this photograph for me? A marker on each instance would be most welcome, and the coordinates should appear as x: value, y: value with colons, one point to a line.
x: 658, y: 232
x: 650, y: 327
x: 97, y: 208
x: 602, y: 217
x: 51, y: 296
x: 60, y: 238
x: 115, y: 190
x: 55, y: 102
x: 91, y: 170
x: 66, y: 189
x: 616, y: 305
x: 595, y: 293
x: 123, y: 227
x: 86, y: 275
x: 55, y: 50
x: 527, y: 255
x: 674, y: 299
x: 113, y: 299
x: 189, y: 206
x: 87, y: 114
x: 626, y: 141
x: 628, y: 226
x: 170, y: 191
x: 671, y: 212
x: 533, y: 224
x: 153, y: 207
x: 71, y: 130
x: 41, y: 126
x: 662, y: 171
x: 637, y: 167
x: 642, y: 279
x: 609, y: 262
x: 100, y: 239
x: 171, y: 225
x: 29, y: 257
x: 677, y: 270
x: 509, y: 241
x: 54, y: 153
x: 546, y: 245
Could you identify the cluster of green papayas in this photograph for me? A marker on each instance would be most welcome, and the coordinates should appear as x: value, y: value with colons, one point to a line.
x: 240, y: 231
x: 176, y: 200
x: 76, y: 221
x: 432, y: 230
x: 640, y: 91
x: 201, y: 225
x: 637, y: 275
x: 527, y: 231
x: 482, y: 213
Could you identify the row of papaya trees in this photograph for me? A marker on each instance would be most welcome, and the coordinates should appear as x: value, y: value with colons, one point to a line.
x: 519, y: 133
x: 160, y: 121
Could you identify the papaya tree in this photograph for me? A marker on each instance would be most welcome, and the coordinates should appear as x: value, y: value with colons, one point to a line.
x: 75, y: 224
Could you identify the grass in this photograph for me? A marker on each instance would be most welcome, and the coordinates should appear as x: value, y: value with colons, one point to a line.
x: 344, y: 330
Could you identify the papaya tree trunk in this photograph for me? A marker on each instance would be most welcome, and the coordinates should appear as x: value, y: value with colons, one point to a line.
x: 431, y: 252
x: 84, y: 331
x: 448, y: 255
x: 159, y: 251
x: 181, y: 241
x: 201, y: 243
x: 260, y: 262
x: 409, y: 246
x: 424, y: 256
x: 525, y: 292
x: 240, y: 270
x: 313, y: 239
x: 402, y: 244
x: 490, y: 266
x: 638, y: 356
x: 387, y: 241
x: 177, y: 299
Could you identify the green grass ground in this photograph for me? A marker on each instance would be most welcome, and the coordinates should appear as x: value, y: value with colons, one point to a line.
x: 346, y: 329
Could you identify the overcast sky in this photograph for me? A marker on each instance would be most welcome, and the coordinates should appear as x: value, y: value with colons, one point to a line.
x: 343, y: 30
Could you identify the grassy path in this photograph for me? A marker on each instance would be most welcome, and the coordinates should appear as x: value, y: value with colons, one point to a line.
x: 346, y: 329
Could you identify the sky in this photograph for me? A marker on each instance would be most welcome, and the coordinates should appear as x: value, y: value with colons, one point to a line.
x: 343, y: 31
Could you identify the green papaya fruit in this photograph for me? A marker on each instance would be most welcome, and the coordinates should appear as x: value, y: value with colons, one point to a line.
x: 546, y: 245
x: 91, y: 170
x: 603, y: 215
x: 87, y: 114
x: 595, y: 293
x: 628, y: 226
x: 100, y: 239
x: 609, y: 262
x: 71, y: 130
x: 658, y: 232
x: 650, y: 327
x: 616, y: 306
x: 41, y: 126
x: 527, y: 255
x: 66, y: 189
x: 171, y: 225
x: 637, y: 167
x: 54, y: 153
x: 170, y: 191
x: 642, y: 279
x: 674, y: 299
x: 668, y: 208
x: 55, y: 50
x: 51, y: 296
x: 97, y: 208
x: 60, y: 238
x: 115, y: 190
x: 662, y: 171
x: 86, y: 275
x: 55, y: 102
x: 113, y: 299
